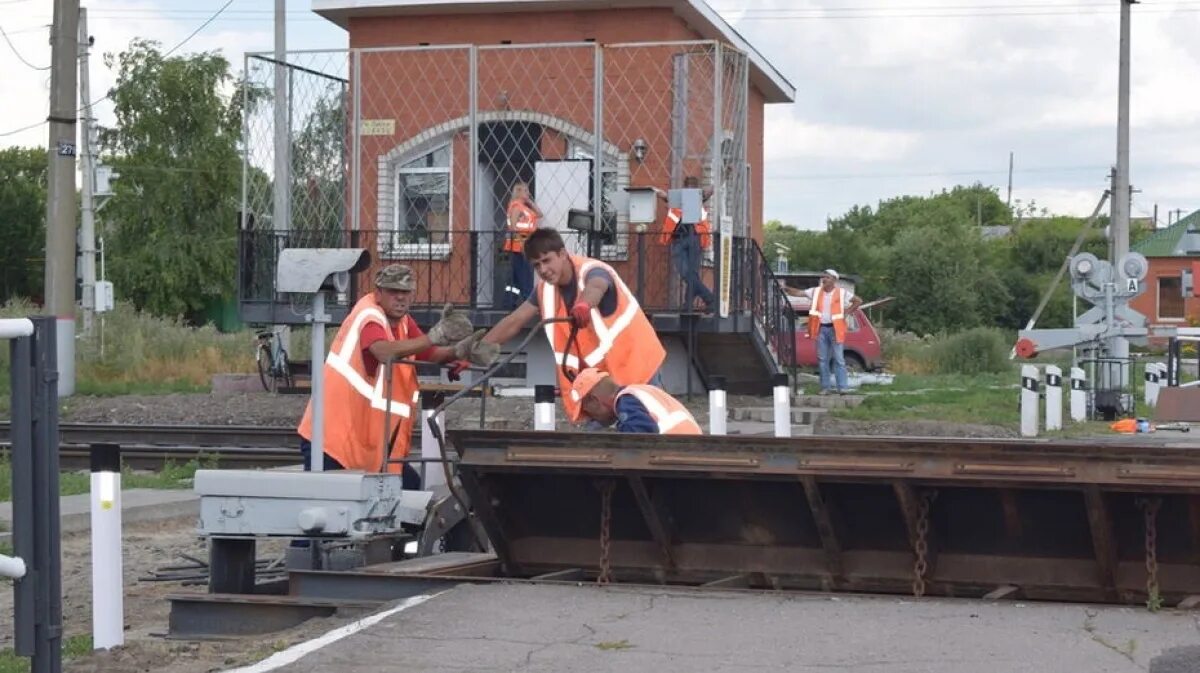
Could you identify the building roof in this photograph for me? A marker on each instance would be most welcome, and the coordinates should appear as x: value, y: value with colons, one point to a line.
x: 702, y: 18
x: 1172, y: 241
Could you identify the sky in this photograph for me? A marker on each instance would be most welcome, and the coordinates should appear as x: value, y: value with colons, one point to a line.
x: 893, y: 96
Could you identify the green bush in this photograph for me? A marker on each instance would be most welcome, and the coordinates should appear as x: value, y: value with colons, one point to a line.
x: 980, y: 350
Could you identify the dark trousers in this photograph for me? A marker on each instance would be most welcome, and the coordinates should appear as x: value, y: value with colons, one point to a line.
x: 522, y: 279
x: 686, y: 255
x: 410, y: 479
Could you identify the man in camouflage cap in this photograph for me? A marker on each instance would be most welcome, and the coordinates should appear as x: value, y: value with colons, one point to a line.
x: 379, y: 328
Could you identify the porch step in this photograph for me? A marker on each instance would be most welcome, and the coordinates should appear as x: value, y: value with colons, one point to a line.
x: 763, y: 429
x: 828, y: 401
x: 800, y: 415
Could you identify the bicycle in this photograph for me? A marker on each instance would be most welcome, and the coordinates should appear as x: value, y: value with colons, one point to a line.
x: 274, y: 370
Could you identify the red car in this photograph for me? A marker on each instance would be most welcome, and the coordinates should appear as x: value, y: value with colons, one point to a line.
x: 863, y: 349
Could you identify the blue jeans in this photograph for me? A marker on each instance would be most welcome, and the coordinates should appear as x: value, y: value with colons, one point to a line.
x: 828, y: 348
x: 522, y: 279
x: 686, y: 256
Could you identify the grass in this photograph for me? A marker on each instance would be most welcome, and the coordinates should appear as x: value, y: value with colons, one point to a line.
x: 73, y: 647
x: 145, y: 354
x: 171, y: 476
x: 987, y: 399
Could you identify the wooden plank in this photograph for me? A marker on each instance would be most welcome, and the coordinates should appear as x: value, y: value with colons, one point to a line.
x: 654, y: 522
x: 1103, y: 544
x: 821, y: 516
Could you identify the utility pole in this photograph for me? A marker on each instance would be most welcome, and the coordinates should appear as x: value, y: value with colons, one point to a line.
x: 281, y: 216
x: 60, y: 190
x: 1156, y: 216
x: 1008, y: 201
x: 87, y: 170
x: 1119, y: 225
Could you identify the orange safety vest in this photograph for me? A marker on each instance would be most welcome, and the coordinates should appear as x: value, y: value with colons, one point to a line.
x: 835, y: 312
x: 624, y: 344
x: 520, y: 230
x: 672, y: 417
x: 674, y: 215
x: 355, y: 399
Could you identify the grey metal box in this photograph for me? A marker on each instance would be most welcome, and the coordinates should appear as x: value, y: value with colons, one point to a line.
x: 254, y: 502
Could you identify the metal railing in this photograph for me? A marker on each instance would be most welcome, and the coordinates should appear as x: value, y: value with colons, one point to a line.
x: 36, y: 567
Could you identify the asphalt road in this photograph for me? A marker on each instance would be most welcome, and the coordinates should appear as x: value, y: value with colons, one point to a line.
x: 565, y: 629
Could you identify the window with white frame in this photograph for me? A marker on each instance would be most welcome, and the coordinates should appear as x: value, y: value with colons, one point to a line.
x: 421, y: 223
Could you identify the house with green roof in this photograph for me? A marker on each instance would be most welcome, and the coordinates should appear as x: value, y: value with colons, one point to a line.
x: 1169, y: 251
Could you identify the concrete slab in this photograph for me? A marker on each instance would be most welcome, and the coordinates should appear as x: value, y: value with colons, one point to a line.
x: 562, y: 629
x: 137, y: 505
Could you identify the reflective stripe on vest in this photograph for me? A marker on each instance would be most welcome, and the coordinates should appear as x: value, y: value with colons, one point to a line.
x: 340, y: 362
x: 667, y: 419
x: 606, y: 334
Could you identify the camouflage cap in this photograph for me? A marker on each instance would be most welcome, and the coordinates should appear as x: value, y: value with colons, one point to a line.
x: 395, y: 277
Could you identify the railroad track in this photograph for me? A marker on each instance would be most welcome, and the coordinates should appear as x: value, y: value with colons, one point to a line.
x: 150, y: 446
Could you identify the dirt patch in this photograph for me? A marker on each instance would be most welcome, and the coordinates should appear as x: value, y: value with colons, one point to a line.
x: 826, y: 425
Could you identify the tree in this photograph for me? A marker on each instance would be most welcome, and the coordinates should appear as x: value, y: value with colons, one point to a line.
x: 172, y: 217
x: 22, y: 221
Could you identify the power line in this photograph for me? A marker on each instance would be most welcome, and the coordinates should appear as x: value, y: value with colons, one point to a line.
x: 19, y: 56
x: 170, y: 51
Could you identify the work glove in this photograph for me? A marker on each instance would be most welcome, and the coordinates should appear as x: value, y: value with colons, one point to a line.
x: 454, y: 372
x: 581, y: 313
x: 452, y: 328
x: 476, y: 351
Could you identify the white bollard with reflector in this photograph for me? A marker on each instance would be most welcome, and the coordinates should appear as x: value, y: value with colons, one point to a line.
x: 1029, y: 401
x: 1054, y: 394
x: 543, y: 408
x: 1078, y: 395
x: 108, y: 589
x: 1150, y: 394
x: 432, y: 474
x: 1162, y: 376
x: 783, y: 405
x: 716, y: 405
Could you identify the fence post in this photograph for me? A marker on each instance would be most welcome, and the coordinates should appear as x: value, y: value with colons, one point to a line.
x: 1150, y: 394
x: 783, y: 405
x: 108, y: 606
x: 543, y: 408
x: 1029, y: 401
x: 716, y: 405
x: 1078, y: 395
x: 1053, y: 398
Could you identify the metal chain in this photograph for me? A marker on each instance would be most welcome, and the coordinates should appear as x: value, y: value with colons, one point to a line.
x: 921, y: 565
x: 1150, y: 507
x: 606, y: 490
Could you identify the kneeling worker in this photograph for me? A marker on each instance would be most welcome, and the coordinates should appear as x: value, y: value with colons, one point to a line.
x: 379, y: 327
x: 636, y: 408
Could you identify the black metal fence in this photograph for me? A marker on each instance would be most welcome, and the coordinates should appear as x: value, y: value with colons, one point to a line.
x: 37, y: 622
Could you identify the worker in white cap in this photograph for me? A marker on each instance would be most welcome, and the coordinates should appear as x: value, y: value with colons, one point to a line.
x: 827, y: 309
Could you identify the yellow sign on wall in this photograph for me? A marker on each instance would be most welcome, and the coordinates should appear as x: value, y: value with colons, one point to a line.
x: 378, y: 127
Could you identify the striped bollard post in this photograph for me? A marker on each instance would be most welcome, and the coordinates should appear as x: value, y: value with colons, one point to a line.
x: 1150, y: 393
x: 716, y: 405
x: 783, y: 405
x: 1078, y: 395
x: 1029, y: 401
x: 432, y: 474
x: 108, y: 588
x: 1054, y: 390
x: 543, y: 408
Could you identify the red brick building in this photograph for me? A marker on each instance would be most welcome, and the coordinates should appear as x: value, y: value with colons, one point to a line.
x: 1170, y: 251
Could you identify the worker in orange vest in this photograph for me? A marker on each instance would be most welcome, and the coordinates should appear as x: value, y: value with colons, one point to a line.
x: 635, y: 408
x: 612, y: 333
x: 379, y: 327
x: 523, y: 217
x: 688, y: 243
x: 827, y: 309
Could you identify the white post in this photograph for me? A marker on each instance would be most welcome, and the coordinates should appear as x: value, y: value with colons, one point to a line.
x: 1053, y: 398
x: 543, y: 408
x: 716, y: 405
x: 783, y: 405
x: 432, y: 474
x: 1162, y: 375
x: 108, y: 608
x: 1150, y: 394
x: 317, y: 365
x: 1029, y: 401
x: 1078, y: 395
